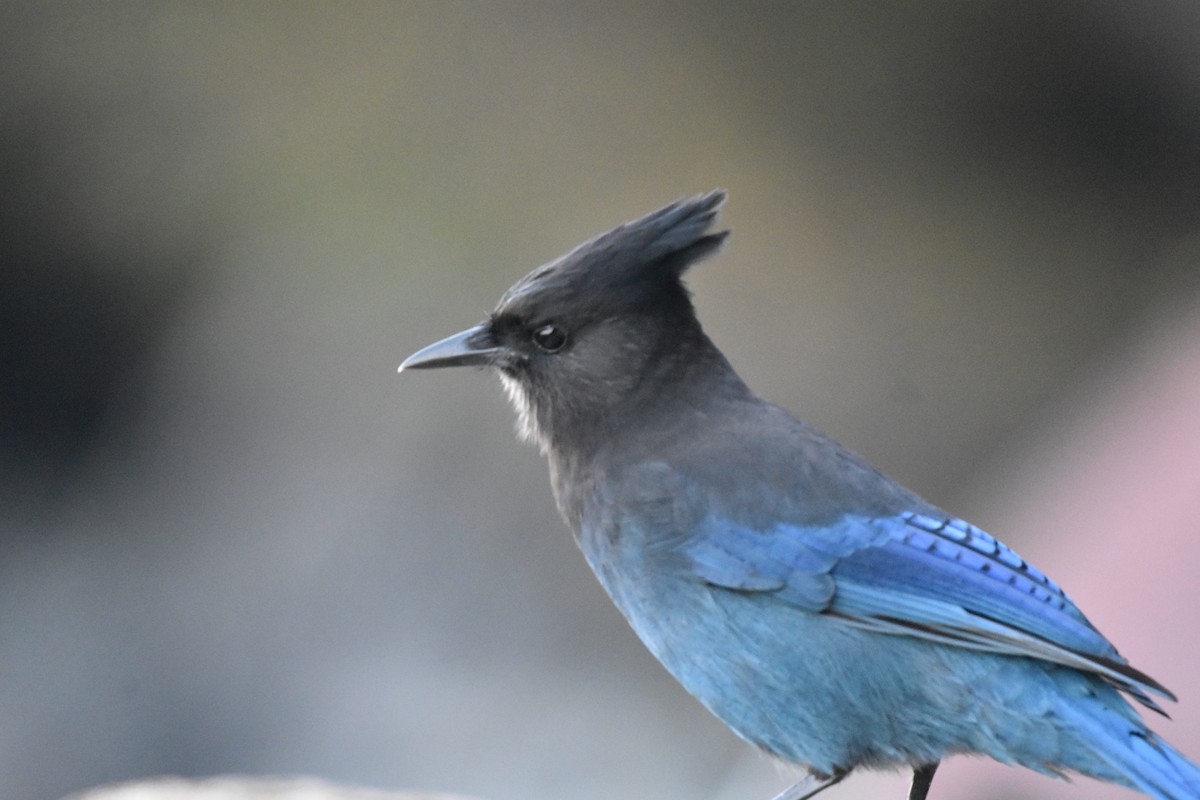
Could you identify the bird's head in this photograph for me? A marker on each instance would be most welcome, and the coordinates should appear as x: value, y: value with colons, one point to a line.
x: 576, y: 340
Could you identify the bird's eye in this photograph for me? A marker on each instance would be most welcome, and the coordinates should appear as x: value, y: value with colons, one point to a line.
x: 550, y: 338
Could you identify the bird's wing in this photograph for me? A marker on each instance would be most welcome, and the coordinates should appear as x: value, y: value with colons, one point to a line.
x: 910, y: 574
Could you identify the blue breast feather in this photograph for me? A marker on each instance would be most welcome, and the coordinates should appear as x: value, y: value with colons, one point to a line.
x: 939, y: 579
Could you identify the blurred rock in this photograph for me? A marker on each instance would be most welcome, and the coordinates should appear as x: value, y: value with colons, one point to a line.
x: 237, y: 787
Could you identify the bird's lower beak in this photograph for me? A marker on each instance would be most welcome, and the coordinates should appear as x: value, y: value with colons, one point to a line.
x: 473, y: 346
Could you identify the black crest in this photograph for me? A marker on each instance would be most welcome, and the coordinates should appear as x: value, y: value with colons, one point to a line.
x: 637, y: 263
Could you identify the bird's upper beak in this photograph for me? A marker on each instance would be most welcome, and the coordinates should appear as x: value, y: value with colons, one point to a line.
x: 474, y: 346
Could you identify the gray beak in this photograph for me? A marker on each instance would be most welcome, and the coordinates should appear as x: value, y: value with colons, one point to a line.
x: 471, y: 347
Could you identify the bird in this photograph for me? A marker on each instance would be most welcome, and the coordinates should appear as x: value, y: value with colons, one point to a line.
x: 829, y: 616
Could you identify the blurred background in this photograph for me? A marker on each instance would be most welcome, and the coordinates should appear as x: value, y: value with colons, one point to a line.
x: 232, y: 539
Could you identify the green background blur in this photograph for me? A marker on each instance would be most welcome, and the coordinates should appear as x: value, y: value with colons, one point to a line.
x: 232, y: 539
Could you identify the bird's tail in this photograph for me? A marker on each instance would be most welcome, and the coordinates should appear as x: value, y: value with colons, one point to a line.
x: 1159, y: 770
x: 1113, y: 744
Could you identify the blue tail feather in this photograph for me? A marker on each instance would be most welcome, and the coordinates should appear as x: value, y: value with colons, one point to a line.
x: 1160, y: 770
x: 1118, y: 747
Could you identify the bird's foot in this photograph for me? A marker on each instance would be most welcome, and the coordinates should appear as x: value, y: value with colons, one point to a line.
x: 811, y: 785
x: 922, y: 780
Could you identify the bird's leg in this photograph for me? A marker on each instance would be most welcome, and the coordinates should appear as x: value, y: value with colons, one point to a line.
x: 922, y: 780
x: 811, y: 785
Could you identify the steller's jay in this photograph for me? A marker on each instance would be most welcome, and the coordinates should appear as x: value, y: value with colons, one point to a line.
x: 827, y: 614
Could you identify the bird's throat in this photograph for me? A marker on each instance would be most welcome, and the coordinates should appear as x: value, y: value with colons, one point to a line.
x: 522, y: 401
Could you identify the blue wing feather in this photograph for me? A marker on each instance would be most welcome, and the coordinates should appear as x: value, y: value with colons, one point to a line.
x: 973, y: 573
x: 916, y: 575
